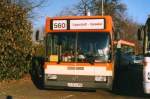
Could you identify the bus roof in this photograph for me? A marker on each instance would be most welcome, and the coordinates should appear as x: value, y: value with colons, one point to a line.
x: 125, y: 42
x: 79, y: 24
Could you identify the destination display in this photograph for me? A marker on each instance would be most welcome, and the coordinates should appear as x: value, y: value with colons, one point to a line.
x: 87, y: 24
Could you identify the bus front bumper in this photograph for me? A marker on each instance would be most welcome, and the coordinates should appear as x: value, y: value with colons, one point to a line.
x: 77, y: 82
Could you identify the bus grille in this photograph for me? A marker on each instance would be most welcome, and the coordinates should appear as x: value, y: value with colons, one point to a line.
x: 75, y: 78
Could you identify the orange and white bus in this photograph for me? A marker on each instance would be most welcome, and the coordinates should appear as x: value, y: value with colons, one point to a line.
x: 125, y: 46
x: 125, y: 53
x: 79, y: 51
x: 124, y: 42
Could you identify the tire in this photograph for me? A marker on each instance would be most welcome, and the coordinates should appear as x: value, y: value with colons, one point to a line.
x: 37, y: 71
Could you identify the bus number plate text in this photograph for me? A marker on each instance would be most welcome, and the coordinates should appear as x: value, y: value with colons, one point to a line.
x: 60, y: 25
x: 74, y: 84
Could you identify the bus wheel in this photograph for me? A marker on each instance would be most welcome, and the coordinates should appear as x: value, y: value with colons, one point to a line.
x: 37, y: 72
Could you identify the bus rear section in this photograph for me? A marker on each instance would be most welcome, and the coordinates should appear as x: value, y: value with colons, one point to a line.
x: 79, y: 53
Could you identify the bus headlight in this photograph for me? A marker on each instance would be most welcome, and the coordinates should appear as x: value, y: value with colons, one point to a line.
x: 100, y: 78
x: 51, y: 77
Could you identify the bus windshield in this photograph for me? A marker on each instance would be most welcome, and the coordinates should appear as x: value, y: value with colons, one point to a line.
x: 79, y: 47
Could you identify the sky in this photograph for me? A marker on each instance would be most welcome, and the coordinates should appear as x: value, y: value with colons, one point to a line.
x: 138, y: 10
x: 50, y: 9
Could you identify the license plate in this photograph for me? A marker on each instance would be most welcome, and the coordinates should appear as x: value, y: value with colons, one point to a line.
x: 74, y: 84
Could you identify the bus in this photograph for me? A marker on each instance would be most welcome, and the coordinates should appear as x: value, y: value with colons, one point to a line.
x: 79, y: 52
x: 144, y: 36
x: 125, y: 53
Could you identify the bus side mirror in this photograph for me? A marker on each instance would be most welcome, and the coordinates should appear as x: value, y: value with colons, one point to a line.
x: 148, y: 36
x: 147, y: 32
x: 141, y: 32
x: 37, y: 35
x: 148, y: 27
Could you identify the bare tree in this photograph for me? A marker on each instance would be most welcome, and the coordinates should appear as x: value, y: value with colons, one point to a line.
x: 79, y: 9
x: 123, y: 24
x: 28, y: 5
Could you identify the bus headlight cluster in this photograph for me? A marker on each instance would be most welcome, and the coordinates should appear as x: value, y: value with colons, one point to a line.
x: 100, y: 78
x: 51, y: 77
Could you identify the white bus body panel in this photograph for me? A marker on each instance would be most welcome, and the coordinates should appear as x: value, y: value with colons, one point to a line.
x: 88, y: 70
x: 146, y: 75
